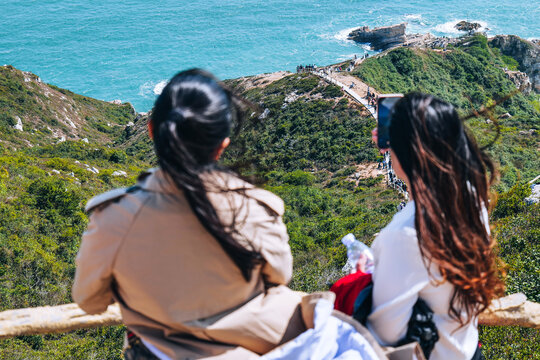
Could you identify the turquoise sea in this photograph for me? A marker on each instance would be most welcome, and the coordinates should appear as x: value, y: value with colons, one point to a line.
x: 127, y: 49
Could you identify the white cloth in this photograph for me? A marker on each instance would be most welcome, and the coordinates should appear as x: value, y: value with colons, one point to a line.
x: 400, y: 277
x: 154, y: 350
x: 330, y: 339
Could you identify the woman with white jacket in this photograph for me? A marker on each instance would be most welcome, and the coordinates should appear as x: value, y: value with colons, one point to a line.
x: 438, y: 248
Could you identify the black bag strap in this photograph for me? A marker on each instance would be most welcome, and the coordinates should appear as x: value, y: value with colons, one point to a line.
x: 421, y: 327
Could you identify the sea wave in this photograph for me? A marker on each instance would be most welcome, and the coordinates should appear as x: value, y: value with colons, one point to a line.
x: 449, y: 27
x: 158, y: 89
x: 341, y: 36
x: 414, y: 19
x: 417, y: 17
x: 151, y: 88
x: 345, y: 57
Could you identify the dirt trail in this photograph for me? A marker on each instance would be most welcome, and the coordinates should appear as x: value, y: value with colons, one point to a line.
x: 366, y: 171
x: 344, y: 80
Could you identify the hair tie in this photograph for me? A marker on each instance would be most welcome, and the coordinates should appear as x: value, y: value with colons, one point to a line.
x: 179, y: 115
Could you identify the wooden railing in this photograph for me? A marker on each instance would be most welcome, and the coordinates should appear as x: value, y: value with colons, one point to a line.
x: 513, y: 310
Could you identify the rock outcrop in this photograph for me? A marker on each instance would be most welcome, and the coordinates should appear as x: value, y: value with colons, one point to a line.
x: 380, y: 38
x: 470, y: 27
x: 521, y: 80
x: 534, y: 198
x: 387, y: 37
x: 526, y: 53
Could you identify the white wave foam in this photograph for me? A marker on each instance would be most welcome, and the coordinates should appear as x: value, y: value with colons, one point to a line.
x: 146, y: 89
x: 450, y: 26
x: 416, y: 17
x: 151, y: 88
x: 346, y: 57
x: 366, y: 47
x: 159, y: 87
x: 343, y: 35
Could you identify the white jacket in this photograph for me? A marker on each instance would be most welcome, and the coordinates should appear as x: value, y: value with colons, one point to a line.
x: 400, y: 277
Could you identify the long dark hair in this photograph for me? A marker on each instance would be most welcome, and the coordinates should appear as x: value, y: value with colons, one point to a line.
x: 191, y: 118
x: 449, y: 182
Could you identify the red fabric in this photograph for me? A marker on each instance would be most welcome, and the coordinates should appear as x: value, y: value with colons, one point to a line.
x: 347, y: 289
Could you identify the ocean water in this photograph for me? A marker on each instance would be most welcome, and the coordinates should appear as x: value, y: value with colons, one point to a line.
x: 126, y: 50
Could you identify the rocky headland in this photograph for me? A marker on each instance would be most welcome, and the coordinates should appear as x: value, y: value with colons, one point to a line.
x: 525, y: 52
x: 467, y: 26
x: 387, y: 37
x: 380, y: 38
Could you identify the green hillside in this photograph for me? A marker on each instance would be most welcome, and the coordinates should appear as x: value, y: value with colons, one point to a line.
x: 44, y: 184
x: 307, y: 151
x: 469, y: 76
x: 305, y: 142
x: 49, y: 115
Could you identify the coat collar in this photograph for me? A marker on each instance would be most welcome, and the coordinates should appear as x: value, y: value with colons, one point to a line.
x: 157, y: 180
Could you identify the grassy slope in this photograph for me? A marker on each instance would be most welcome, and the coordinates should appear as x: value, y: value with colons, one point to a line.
x: 41, y: 223
x: 305, y: 151
x: 49, y: 113
x: 43, y: 186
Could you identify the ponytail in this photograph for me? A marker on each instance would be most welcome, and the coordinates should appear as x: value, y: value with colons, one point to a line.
x: 191, y: 118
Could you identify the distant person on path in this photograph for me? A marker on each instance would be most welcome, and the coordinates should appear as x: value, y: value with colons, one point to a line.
x: 438, y: 248
x: 195, y: 256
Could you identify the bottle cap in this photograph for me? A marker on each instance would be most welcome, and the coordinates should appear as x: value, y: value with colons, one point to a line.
x: 348, y: 239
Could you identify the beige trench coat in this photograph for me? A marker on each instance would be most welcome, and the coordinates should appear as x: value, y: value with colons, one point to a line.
x: 177, y: 288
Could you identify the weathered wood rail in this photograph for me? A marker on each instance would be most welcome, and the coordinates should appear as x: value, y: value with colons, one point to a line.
x: 513, y: 310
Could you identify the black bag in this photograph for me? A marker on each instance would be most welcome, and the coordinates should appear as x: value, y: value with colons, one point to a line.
x: 134, y: 349
x: 421, y: 327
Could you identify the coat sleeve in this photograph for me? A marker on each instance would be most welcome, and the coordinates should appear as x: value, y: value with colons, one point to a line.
x: 92, y: 288
x: 270, y: 235
x: 398, y: 278
x: 276, y: 252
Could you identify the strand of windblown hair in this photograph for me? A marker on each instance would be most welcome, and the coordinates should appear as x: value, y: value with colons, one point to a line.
x: 175, y: 159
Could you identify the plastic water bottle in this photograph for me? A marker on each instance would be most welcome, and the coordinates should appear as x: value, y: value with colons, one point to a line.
x: 355, y: 250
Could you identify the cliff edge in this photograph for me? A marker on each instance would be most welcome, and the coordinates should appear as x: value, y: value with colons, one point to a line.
x: 526, y: 53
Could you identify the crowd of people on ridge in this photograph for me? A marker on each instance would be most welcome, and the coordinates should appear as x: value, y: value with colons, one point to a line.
x: 371, y: 98
x: 391, y: 179
x: 306, y: 68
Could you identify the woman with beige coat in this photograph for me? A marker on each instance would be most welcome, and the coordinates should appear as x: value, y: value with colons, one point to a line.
x: 196, y: 257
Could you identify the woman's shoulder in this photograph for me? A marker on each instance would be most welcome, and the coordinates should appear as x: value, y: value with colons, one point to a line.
x: 114, y: 211
x: 400, y: 232
x: 396, y: 240
x: 101, y: 201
